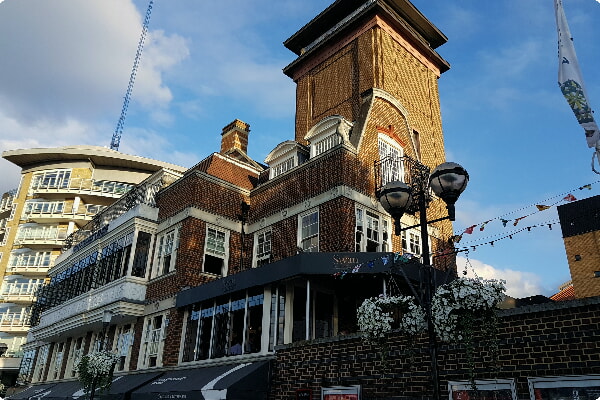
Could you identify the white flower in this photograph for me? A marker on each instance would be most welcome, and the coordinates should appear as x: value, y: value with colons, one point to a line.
x: 375, y: 316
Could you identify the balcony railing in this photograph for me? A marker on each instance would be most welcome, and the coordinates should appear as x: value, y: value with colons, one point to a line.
x: 59, y: 212
x: 141, y: 194
x: 27, y: 269
x: 82, y: 185
x: 6, y: 203
x: 36, y: 234
x: 20, y: 291
x: 14, y: 320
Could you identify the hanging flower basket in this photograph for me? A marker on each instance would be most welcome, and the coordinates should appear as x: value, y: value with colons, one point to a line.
x: 456, y: 305
x: 464, y: 306
x: 379, y: 315
x: 97, y: 369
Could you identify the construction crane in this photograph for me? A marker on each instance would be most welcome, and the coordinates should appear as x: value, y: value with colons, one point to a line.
x: 116, y: 138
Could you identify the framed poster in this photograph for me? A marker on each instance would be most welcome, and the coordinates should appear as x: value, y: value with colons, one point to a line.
x: 341, y: 393
x: 492, y: 389
x: 570, y: 387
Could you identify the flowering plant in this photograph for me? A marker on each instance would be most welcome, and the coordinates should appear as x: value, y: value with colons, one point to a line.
x: 455, y: 305
x: 376, y: 316
x: 97, y: 369
x: 461, y: 306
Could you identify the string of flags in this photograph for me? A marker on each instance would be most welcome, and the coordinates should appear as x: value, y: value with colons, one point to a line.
x: 568, y: 197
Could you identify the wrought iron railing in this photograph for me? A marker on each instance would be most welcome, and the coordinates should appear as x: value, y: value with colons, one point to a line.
x: 404, y: 169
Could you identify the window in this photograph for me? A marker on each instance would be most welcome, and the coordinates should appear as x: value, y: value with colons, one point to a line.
x: 40, y: 364
x: 76, y: 354
x: 55, y: 179
x: 123, y: 346
x: 329, y: 142
x: 371, y: 231
x: 167, y: 246
x: 30, y: 259
x: 417, y: 141
x: 309, y: 232
x: 215, y: 251
x: 4, y: 236
x: 12, y: 212
x: 263, y: 247
x: 283, y: 166
x: 391, y: 152
x: 229, y: 326
x: 411, y: 242
x: 496, y: 389
x: 57, y: 362
x: 153, y: 339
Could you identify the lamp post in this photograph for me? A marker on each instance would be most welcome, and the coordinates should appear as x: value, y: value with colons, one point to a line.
x: 447, y: 181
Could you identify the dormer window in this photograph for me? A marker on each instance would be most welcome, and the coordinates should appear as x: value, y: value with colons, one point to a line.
x: 327, y: 134
x: 285, y: 157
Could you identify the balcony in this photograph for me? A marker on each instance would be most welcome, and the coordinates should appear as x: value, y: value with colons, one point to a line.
x: 80, y: 187
x: 57, y: 211
x: 20, y: 292
x: 14, y: 321
x: 124, y: 297
x: 30, y: 263
x: 41, y: 235
x: 28, y: 270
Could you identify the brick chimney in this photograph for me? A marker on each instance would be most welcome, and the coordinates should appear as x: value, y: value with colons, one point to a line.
x: 235, y: 137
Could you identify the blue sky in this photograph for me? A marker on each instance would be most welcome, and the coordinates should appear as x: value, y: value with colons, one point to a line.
x: 66, y: 64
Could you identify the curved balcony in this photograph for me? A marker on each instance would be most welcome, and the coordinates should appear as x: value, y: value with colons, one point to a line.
x: 125, y: 298
x: 41, y: 235
x: 89, y: 189
x: 17, y: 322
x: 20, y: 292
x: 55, y: 212
x: 27, y: 262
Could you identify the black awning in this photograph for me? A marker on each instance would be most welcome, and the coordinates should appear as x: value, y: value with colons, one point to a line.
x: 64, y: 390
x: 120, y: 387
x: 248, y: 381
x: 32, y: 391
x: 303, y: 264
x: 124, y: 384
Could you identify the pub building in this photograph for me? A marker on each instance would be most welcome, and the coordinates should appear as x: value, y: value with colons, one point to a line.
x: 241, y: 280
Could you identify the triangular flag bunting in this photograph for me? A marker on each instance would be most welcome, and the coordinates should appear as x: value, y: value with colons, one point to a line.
x: 469, y: 230
x: 569, y: 197
x: 542, y: 207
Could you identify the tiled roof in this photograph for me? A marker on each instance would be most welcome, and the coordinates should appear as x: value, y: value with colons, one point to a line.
x: 568, y: 293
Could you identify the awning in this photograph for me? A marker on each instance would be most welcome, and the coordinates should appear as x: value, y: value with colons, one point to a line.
x: 32, y: 391
x: 247, y: 381
x: 120, y: 387
x: 304, y: 264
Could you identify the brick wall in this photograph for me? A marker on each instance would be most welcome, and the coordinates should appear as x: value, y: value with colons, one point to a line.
x: 583, y: 255
x: 550, y: 339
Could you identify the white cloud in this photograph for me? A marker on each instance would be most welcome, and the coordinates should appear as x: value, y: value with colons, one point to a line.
x: 518, y: 283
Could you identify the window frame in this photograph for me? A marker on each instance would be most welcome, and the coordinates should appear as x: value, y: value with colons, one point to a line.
x: 362, y: 235
x: 576, y: 381
x: 148, y: 333
x: 301, y: 239
x: 214, y: 253
x: 266, y: 255
x: 408, y: 244
x: 395, y: 172
x: 158, y: 268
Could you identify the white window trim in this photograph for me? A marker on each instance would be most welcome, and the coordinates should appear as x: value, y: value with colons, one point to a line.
x: 157, y: 267
x: 396, y: 146
x: 225, y: 256
x: 144, y: 356
x: 123, y: 342
x: 256, y: 258
x: 385, y: 226
x: 74, y: 358
x: 318, y: 235
x: 406, y: 234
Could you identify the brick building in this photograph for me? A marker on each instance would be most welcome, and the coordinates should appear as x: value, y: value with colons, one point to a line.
x: 240, y: 280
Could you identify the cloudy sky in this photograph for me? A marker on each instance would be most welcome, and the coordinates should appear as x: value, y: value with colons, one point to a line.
x: 65, y: 66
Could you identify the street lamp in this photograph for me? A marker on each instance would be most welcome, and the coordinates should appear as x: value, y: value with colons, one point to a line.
x: 447, y: 181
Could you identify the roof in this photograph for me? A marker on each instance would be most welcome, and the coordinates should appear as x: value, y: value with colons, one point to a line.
x: 100, y: 156
x: 567, y: 293
x: 341, y: 9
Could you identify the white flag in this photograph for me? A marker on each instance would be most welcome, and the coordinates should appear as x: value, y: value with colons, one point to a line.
x: 570, y: 79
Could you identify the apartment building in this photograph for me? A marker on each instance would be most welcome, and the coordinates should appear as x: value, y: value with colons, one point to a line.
x: 61, y: 191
